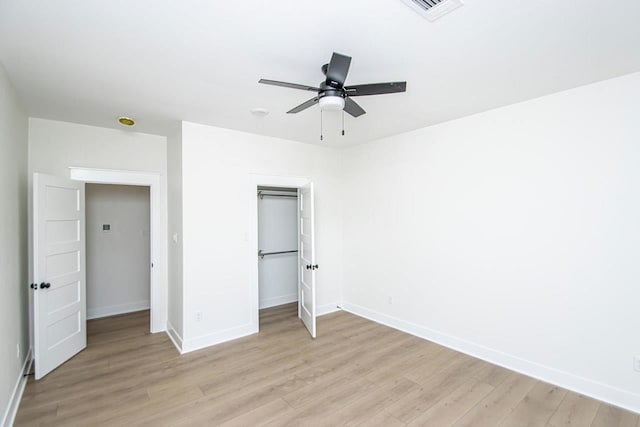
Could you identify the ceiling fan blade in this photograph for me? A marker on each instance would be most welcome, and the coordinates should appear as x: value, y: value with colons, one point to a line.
x: 376, y: 88
x: 352, y: 107
x: 304, y: 106
x: 338, y: 69
x: 289, y: 85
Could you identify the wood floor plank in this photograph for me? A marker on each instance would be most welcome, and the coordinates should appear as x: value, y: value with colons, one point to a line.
x: 416, y: 353
x: 499, y: 403
x: 453, y: 406
x: 575, y: 410
x: 261, y: 415
x: 492, y: 374
x: 610, y: 416
x: 356, y: 372
x: 369, y: 405
x: 435, y: 388
x: 382, y: 419
x: 441, y: 360
x: 536, y: 407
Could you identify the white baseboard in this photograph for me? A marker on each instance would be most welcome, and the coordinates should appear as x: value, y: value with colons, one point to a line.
x: 208, y: 340
x: 14, y: 402
x: 275, y: 301
x: 585, y: 386
x: 321, y: 310
x: 96, y: 313
x: 230, y: 334
x: 174, y: 336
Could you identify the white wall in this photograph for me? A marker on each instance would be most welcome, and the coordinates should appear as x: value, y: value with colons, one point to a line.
x: 118, y: 260
x: 278, y: 231
x: 511, y: 234
x: 174, y: 195
x: 55, y: 146
x: 13, y: 247
x: 216, y: 164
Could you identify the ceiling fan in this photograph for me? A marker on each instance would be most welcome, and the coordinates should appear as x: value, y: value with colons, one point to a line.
x: 333, y: 94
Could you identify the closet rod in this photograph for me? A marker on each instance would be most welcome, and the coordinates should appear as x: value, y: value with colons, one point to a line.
x: 262, y: 254
x: 262, y: 195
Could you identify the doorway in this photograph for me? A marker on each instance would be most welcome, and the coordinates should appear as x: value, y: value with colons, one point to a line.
x: 278, y: 248
x: 306, y: 263
x: 117, y: 249
x: 158, y: 287
x: 57, y: 302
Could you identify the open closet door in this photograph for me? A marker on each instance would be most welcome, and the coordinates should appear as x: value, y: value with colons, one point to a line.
x: 307, y: 266
x: 59, y: 292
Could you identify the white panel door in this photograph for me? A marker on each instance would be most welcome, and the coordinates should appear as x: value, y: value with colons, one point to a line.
x: 308, y: 266
x: 59, y: 292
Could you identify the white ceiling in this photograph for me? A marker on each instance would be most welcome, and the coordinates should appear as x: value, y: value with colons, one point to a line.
x: 161, y: 61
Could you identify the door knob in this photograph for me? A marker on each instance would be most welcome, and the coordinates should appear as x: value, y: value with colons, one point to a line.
x: 314, y: 267
x: 44, y: 285
x: 34, y: 286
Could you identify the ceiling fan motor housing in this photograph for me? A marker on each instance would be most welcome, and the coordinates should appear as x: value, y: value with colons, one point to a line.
x: 326, y: 90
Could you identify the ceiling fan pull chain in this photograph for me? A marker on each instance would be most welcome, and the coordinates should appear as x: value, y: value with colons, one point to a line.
x: 320, y: 125
x: 342, y: 122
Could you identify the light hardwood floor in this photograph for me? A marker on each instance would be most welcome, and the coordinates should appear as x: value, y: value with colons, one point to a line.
x: 355, y: 373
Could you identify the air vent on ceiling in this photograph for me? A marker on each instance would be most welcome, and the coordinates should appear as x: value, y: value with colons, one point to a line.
x: 433, y: 9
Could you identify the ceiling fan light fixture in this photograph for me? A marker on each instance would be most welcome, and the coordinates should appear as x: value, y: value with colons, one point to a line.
x: 331, y: 103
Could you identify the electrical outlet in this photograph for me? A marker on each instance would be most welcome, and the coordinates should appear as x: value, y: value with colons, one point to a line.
x: 18, y: 355
x: 636, y: 363
x: 198, y: 316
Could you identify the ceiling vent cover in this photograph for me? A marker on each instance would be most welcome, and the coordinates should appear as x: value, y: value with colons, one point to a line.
x: 433, y: 9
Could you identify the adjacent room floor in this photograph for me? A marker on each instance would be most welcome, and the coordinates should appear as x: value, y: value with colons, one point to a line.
x: 356, y: 372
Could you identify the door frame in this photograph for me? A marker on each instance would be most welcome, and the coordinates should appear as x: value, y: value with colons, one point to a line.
x: 158, y: 294
x: 255, y: 181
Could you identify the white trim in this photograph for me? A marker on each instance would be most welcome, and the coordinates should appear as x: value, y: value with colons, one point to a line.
x: 275, y: 301
x: 158, y: 304
x: 18, y: 390
x: 230, y: 334
x: 219, y: 337
x: 174, y: 336
x: 581, y: 385
x: 112, y: 310
x: 256, y: 180
x: 321, y: 310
